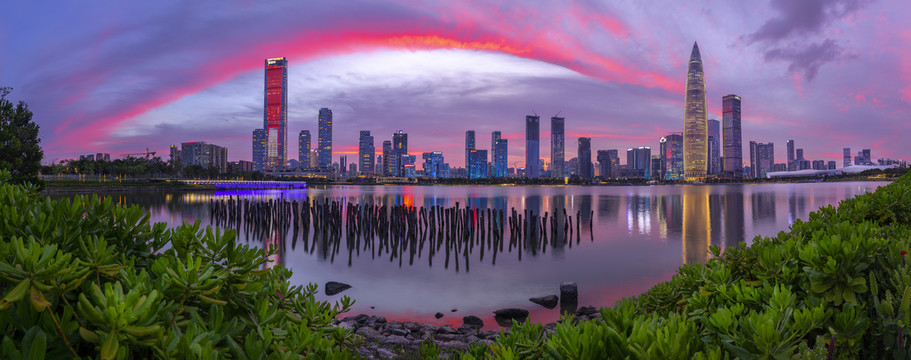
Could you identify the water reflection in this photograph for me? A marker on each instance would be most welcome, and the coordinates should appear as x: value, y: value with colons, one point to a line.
x: 622, y: 240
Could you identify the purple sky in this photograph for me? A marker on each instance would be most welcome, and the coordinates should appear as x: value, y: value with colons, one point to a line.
x: 122, y: 76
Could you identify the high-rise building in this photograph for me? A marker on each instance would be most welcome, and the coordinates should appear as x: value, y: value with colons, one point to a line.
x: 469, y: 145
x: 608, y: 163
x: 586, y: 170
x: 275, y: 113
x: 494, y: 137
x: 342, y: 163
x: 175, y: 156
x: 863, y: 158
x: 399, y: 150
x: 433, y: 164
x: 733, y: 144
x: 388, y: 159
x: 206, y: 155
x: 694, y: 121
x: 671, y: 152
x: 831, y: 165
x: 847, y: 157
x: 762, y: 159
x: 478, y: 164
x: 791, y: 157
x: 259, y: 150
x: 379, y: 166
x: 819, y: 165
x: 365, y: 153
x: 324, y: 140
x: 799, y: 155
x: 532, y: 146
x: 557, y: 148
x: 303, y: 149
x: 501, y: 160
x: 638, y: 162
x: 713, y: 167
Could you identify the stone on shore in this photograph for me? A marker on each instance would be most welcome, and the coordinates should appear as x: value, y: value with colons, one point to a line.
x: 472, y: 321
x: 549, y: 301
x: 512, y: 313
x: 333, y: 287
x: 438, y: 315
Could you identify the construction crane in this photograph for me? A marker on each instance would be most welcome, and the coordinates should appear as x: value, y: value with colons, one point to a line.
x: 148, y: 154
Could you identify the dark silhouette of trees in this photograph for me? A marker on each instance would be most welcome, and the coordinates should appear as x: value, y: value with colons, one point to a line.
x: 20, y: 151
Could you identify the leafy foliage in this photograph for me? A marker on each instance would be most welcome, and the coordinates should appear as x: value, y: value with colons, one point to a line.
x: 20, y: 151
x: 837, y: 286
x: 88, y: 278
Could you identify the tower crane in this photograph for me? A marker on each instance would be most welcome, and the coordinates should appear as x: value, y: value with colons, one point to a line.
x: 148, y: 154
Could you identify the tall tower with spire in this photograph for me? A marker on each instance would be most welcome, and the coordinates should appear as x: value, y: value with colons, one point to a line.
x: 694, y: 120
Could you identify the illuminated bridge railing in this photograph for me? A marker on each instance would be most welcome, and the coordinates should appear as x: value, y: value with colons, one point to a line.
x: 248, y: 184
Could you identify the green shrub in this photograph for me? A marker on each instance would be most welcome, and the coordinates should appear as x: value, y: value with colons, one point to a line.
x: 90, y: 279
x: 836, y: 285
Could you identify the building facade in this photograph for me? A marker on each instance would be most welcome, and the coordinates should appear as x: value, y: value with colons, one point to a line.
x: 846, y: 160
x: 638, y: 162
x: 695, y: 137
x: 586, y: 169
x: 762, y: 159
x: 203, y: 154
x: 557, y: 147
x: 733, y: 144
x: 324, y: 139
x: 303, y: 149
x: 469, y: 145
x: 259, y: 150
x: 478, y: 164
x: 671, y: 153
x: 399, y: 150
x: 388, y: 159
x: 791, y: 157
x: 713, y: 163
x: 275, y: 113
x: 500, y: 159
x: 365, y: 153
x: 608, y: 164
x: 532, y: 146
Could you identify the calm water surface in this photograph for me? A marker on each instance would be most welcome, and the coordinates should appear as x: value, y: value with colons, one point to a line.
x: 640, y: 235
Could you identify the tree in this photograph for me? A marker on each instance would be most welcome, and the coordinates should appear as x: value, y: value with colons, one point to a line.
x: 20, y: 151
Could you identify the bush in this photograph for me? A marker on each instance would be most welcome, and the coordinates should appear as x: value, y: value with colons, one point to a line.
x: 88, y: 278
x: 837, y: 285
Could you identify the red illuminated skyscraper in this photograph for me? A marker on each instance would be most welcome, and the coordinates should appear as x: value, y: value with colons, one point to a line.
x: 275, y: 113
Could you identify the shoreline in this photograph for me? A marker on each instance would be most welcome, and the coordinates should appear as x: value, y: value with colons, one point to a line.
x: 382, y: 339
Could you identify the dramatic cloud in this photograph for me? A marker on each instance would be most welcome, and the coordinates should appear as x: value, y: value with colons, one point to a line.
x: 119, y: 77
x: 787, y: 36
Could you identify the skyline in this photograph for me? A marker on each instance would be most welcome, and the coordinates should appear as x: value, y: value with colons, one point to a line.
x: 805, y: 71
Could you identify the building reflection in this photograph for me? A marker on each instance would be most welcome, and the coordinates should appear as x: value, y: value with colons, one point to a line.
x: 734, y: 231
x: 763, y: 206
x: 696, y: 236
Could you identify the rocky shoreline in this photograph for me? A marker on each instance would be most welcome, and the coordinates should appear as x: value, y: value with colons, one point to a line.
x: 389, y: 339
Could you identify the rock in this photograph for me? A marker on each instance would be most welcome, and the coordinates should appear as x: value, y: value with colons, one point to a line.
x: 412, y: 326
x: 429, y: 329
x: 453, y: 310
x: 549, y: 301
x: 438, y: 315
x: 449, y: 337
x: 385, y: 353
x: 569, y: 297
x: 446, y: 329
x: 472, y: 321
x: 587, y: 311
x: 569, y: 291
x: 367, y: 333
x: 399, y: 332
x: 395, y: 340
x: 347, y: 325
x: 333, y: 287
x: 512, y: 313
x: 471, y: 339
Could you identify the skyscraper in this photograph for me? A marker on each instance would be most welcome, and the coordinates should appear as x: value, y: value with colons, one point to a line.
x: 694, y: 121
x: 638, y: 162
x: 259, y: 150
x: 847, y: 157
x: 762, y: 159
x: 324, y: 142
x: 365, y: 153
x: 608, y: 163
x: 532, y: 146
x: 469, y: 145
x: 275, y: 113
x: 791, y: 165
x: 557, y: 147
x: 672, y: 155
x: 500, y: 162
x: 399, y: 150
x: 388, y: 159
x: 303, y: 149
x: 494, y: 137
x: 433, y: 164
x: 733, y: 144
x: 478, y: 164
x: 714, y: 147
x: 342, y: 163
x: 586, y: 170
